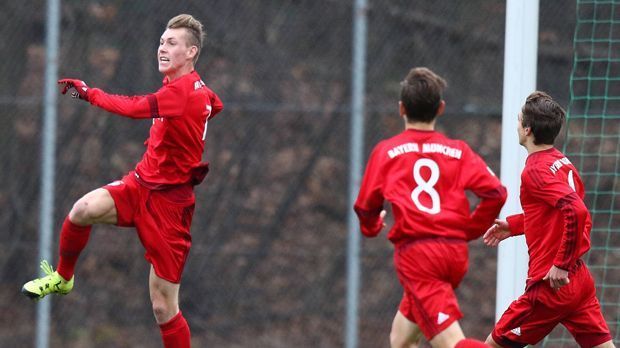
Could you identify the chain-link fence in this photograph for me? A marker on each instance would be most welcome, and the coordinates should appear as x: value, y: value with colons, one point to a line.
x: 267, y: 265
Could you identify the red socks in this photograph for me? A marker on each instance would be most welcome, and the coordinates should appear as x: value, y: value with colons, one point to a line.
x: 470, y: 343
x: 73, y: 239
x: 175, y: 333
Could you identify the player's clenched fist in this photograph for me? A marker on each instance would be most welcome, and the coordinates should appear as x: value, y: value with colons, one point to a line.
x: 79, y: 86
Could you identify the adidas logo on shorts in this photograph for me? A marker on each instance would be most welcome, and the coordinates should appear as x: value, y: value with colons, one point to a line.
x: 442, y: 317
x: 516, y: 331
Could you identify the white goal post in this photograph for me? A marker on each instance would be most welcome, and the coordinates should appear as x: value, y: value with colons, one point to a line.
x: 520, y: 60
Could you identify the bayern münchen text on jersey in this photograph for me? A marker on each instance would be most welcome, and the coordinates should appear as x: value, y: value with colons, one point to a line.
x: 426, y: 148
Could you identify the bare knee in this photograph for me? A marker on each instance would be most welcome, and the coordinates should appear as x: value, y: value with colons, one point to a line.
x: 162, y: 311
x: 164, y: 297
x: 164, y: 307
x: 80, y: 213
x: 94, y: 207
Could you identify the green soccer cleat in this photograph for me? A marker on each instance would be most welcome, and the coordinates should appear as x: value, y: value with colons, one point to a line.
x: 52, y: 283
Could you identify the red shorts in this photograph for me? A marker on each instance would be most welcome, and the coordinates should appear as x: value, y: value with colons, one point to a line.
x: 162, y: 219
x: 429, y: 271
x: 535, y: 313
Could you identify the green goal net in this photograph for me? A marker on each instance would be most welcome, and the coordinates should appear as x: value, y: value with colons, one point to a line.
x: 593, y: 145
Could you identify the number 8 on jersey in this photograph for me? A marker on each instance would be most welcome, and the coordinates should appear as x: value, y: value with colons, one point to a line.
x: 426, y: 186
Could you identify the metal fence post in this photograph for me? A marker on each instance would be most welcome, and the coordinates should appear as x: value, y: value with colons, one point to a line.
x: 48, y: 159
x: 358, y: 77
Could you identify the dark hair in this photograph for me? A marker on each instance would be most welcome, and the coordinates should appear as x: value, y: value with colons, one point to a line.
x: 421, y: 94
x: 544, y: 116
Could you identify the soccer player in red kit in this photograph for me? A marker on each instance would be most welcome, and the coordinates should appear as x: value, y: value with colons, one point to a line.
x: 425, y: 176
x: 157, y: 198
x: 556, y: 223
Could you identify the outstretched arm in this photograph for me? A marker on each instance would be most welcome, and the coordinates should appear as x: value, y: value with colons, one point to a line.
x: 167, y: 101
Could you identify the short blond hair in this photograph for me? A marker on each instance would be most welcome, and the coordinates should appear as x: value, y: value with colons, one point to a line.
x: 193, y: 27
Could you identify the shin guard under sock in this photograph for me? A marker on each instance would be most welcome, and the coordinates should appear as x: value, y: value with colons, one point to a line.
x: 175, y: 332
x: 73, y: 239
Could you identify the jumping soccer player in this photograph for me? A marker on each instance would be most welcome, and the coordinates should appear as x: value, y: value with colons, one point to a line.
x: 157, y: 198
x: 425, y: 176
x: 556, y: 223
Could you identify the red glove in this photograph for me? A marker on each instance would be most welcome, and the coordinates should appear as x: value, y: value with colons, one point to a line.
x: 81, y: 89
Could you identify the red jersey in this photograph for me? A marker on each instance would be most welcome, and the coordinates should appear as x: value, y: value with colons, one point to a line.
x: 425, y: 175
x: 180, y: 111
x: 555, y: 220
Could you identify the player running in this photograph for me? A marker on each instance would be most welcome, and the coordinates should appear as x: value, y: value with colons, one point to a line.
x: 157, y: 198
x: 556, y: 223
x: 425, y: 176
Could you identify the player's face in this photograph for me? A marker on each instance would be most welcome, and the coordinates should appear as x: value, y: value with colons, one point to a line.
x: 174, y: 52
x: 520, y: 129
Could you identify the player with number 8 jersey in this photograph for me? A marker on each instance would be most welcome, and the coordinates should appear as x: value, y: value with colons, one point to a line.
x: 424, y: 175
x: 425, y: 184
